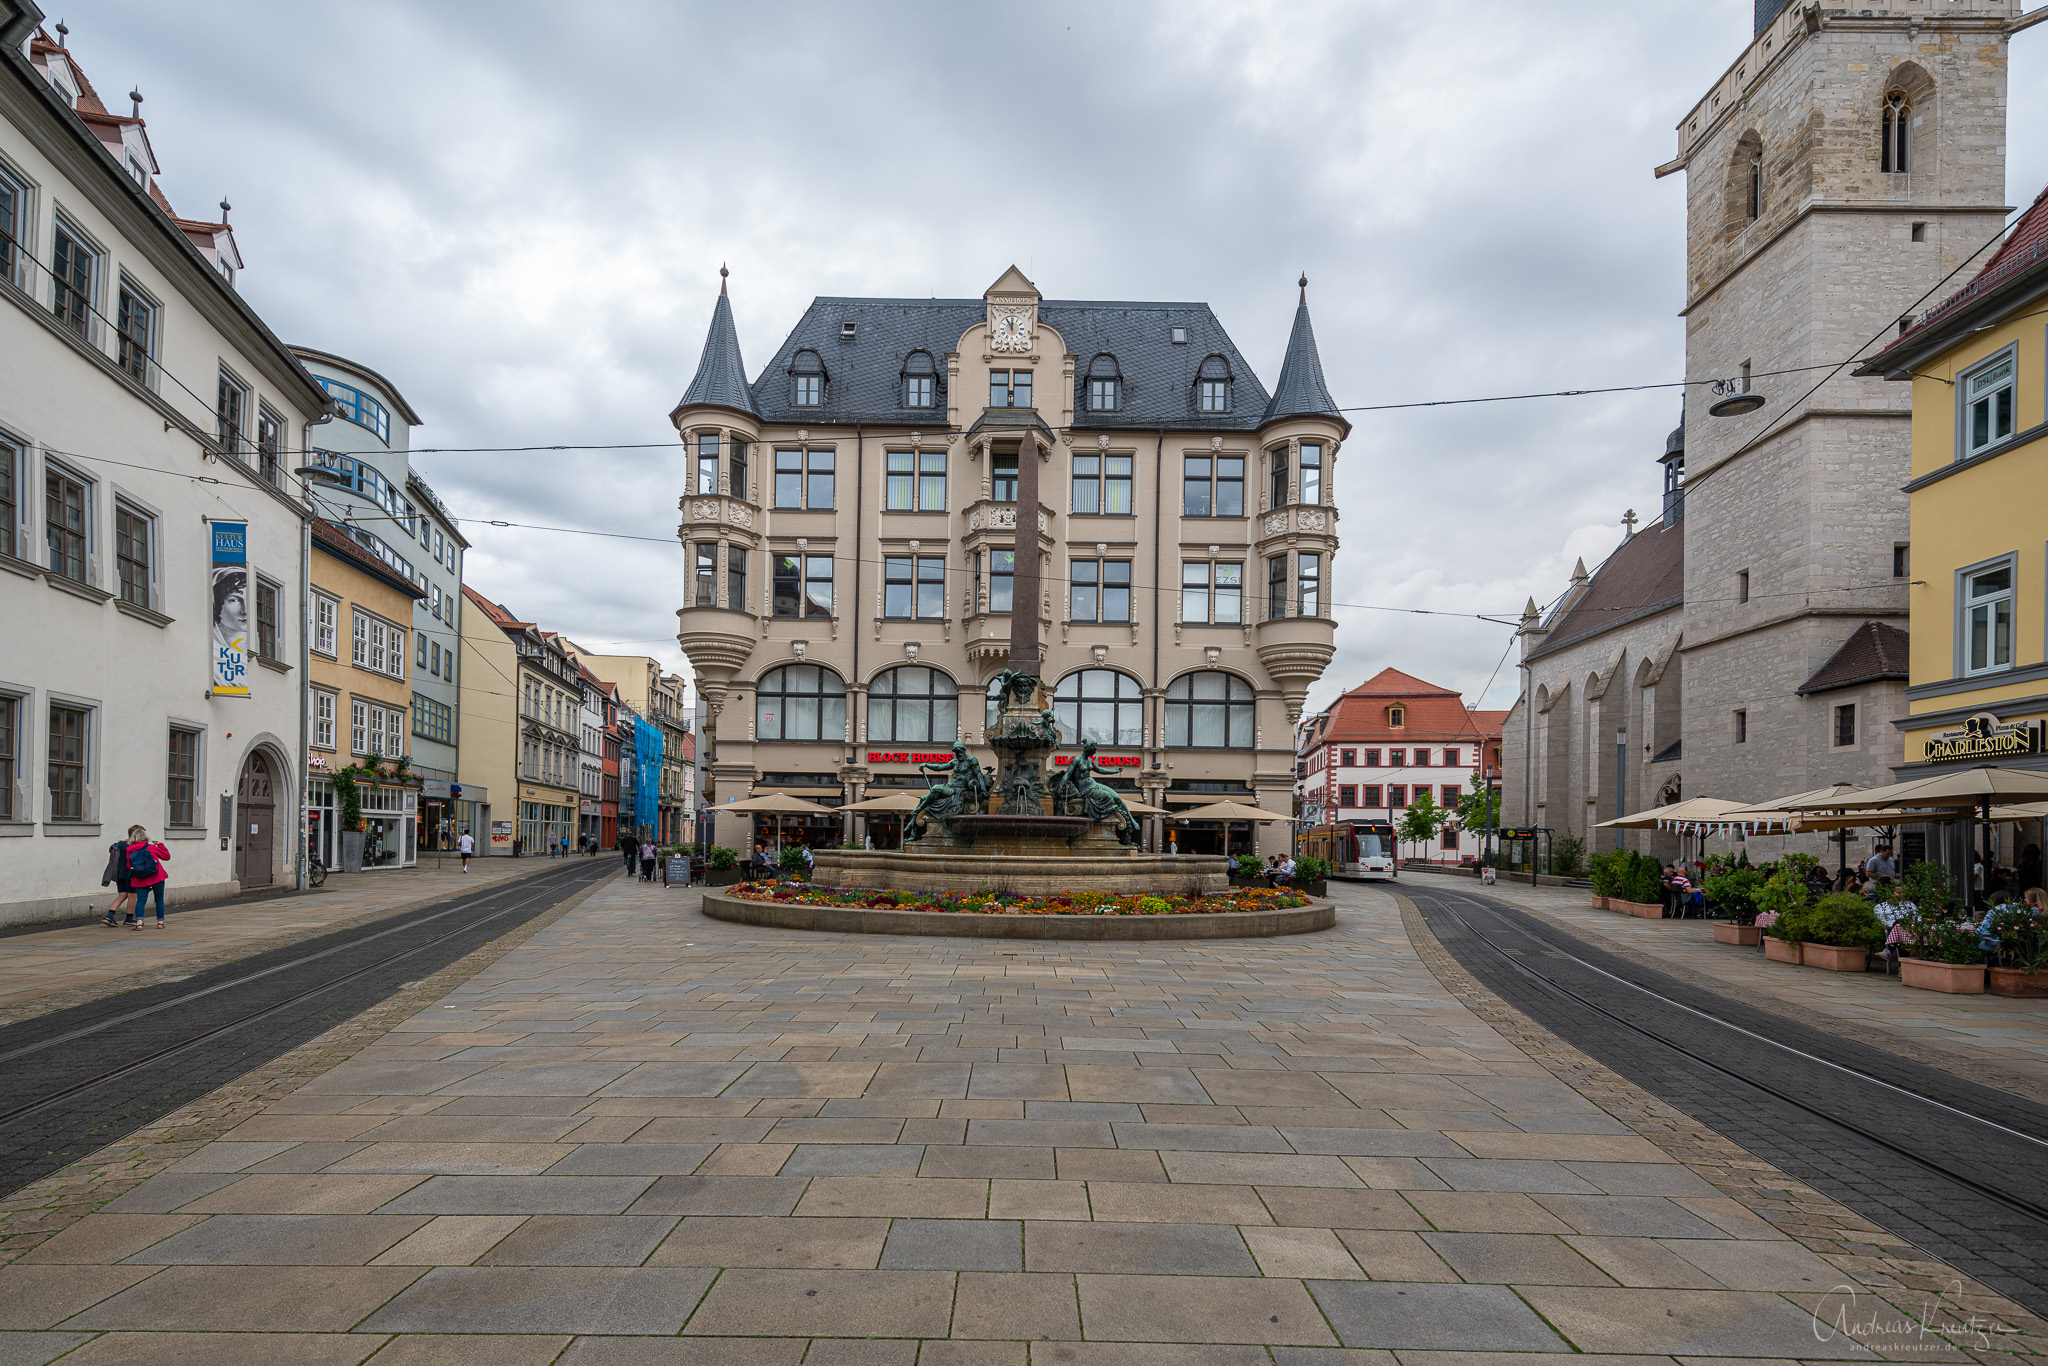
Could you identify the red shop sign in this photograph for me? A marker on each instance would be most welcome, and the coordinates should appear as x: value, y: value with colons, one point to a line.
x: 1104, y: 760
x: 876, y: 756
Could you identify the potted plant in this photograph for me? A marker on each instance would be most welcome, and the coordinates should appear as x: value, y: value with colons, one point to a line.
x: 1312, y: 875
x: 721, y: 867
x: 1783, y: 895
x: 794, y: 861
x: 1732, y: 893
x: 1941, y: 953
x: 1642, y: 888
x: 2022, y: 966
x: 1838, y: 933
x: 1605, y: 872
x: 1246, y: 869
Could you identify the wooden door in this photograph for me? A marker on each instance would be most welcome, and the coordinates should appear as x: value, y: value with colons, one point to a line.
x: 254, y: 823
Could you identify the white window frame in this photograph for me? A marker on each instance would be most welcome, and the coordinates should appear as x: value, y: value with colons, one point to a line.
x: 358, y: 725
x: 26, y: 748
x: 127, y: 284
x: 197, y: 825
x: 14, y: 455
x: 324, y: 708
x: 91, y: 488
x: 242, y: 440
x: 326, y: 624
x: 1968, y: 605
x: 95, y: 286
x: 89, y: 797
x: 1856, y: 726
x: 152, y: 586
x: 24, y: 223
x: 1967, y: 401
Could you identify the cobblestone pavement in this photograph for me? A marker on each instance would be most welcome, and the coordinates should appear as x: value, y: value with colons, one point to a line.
x: 65, y: 965
x: 1996, y: 1040
x: 646, y: 1137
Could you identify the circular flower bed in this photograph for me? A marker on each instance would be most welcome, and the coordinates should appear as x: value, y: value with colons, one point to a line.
x: 1059, y: 903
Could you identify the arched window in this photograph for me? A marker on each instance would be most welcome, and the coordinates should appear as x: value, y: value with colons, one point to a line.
x: 920, y: 381
x: 1105, y: 384
x: 1100, y: 705
x: 800, y: 702
x: 913, y: 705
x: 1209, y: 710
x: 1895, y: 124
x: 807, y: 380
x: 1745, y: 192
x: 1212, y: 386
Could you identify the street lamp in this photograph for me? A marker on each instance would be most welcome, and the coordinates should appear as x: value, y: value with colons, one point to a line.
x: 1620, y: 777
x: 1731, y: 401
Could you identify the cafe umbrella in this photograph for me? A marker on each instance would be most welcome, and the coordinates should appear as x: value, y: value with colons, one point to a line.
x: 1230, y: 813
x: 1969, y: 789
x: 779, y: 804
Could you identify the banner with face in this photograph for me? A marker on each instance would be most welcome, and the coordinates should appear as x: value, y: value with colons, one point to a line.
x: 230, y: 609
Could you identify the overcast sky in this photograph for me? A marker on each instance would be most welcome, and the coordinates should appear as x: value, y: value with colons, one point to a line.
x: 517, y: 212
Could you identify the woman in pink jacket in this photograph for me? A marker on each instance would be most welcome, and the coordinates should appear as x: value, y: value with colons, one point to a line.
x: 146, y: 872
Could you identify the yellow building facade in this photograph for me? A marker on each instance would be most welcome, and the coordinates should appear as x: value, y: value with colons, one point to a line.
x: 1978, y: 557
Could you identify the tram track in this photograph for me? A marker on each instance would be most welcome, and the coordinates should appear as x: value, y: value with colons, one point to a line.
x: 1958, y: 1169
x: 70, y: 1081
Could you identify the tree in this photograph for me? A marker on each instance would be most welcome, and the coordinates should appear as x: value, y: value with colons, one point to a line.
x: 1478, y: 809
x: 1421, y: 821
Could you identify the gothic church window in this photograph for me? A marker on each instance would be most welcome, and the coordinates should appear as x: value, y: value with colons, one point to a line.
x: 1895, y: 149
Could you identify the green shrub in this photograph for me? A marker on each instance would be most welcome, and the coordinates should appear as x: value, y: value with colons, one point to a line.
x: 1248, y: 865
x: 2022, y: 937
x: 1644, y: 879
x: 791, y: 859
x: 1804, y: 865
x: 1841, y: 920
x: 1567, y: 855
x: 1733, y: 892
x: 1785, y: 893
x: 1606, y: 871
x: 722, y: 857
x: 1929, y: 886
x: 1311, y: 869
x: 1936, y: 938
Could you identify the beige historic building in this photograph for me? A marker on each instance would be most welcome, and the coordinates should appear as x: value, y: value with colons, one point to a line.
x: 522, y: 707
x: 1837, y: 174
x: 849, y: 519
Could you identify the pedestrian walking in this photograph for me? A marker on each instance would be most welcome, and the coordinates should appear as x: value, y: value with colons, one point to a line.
x: 467, y: 844
x: 630, y: 848
x: 116, y: 875
x: 647, y: 860
x: 146, y: 872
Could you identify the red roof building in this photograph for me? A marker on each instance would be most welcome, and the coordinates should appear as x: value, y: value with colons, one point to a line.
x: 1387, y: 741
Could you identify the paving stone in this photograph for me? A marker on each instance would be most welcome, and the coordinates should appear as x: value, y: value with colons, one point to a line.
x: 34, y: 1349
x: 675, y: 1079
x: 316, y: 1193
x: 720, y: 1195
x: 1149, y: 1249
x: 1144, y: 1354
x: 279, y: 1299
x: 855, y: 1159
x: 1109, y: 1164
x: 44, y: 1296
x: 523, y: 1195
x: 1514, y: 1259
x: 224, y: 1349
x: 973, y: 1354
x: 1367, y: 1142
x: 894, y: 1198
x: 955, y: 1245
x: 1641, y: 1178
x: 1688, y: 1322
x: 1016, y: 1306
x: 1018, y: 1081
x: 167, y: 1191
x: 1027, y: 1133
x: 1393, y: 1255
x: 1489, y: 1212
x: 1215, y: 1138
x: 550, y: 1299
x: 281, y: 1240
x: 1301, y: 1253
x: 558, y: 1079
x: 862, y: 1131
x: 704, y: 1240
x: 451, y: 1240
x: 670, y: 1351
x: 1634, y: 1216
x: 1267, y: 1169
x: 1227, y: 1087
x: 580, y: 1240
x: 818, y: 1303
x: 1199, y: 1309
x: 442, y: 1127
x: 1782, y: 1266
x: 633, y: 1159
x: 1011, y: 1163
x: 1304, y: 1207
x: 1038, y: 1200
x: 100, y: 1239
x: 1644, y: 1262
x: 1464, y: 1317
x: 804, y: 1079
x: 1150, y: 1202
x: 1136, y: 1084
x: 859, y: 1352
x: 471, y: 1349
x: 454, y: 1159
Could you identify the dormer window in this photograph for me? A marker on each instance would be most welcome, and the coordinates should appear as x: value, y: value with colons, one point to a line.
x: 1397, y: 716
x: 807, y: 380
x: 136, y: 171
x: 1212, y: 386
x: 920, y: 381
x: 848, y: 331
x: 1105, y: 385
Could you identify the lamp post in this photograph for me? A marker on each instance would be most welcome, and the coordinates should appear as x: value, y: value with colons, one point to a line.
x: 1620, y: 778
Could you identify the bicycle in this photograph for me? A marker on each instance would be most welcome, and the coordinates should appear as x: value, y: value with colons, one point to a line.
x: 316, y: 871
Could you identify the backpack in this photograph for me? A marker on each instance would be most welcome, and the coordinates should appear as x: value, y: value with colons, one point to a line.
x: 142, y: 864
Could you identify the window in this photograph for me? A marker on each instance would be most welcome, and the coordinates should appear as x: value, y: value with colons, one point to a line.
x: 269, y: 444
x: 268, y: 644
x: 131, y: 553
x: 323, y: 720
x: 1452, y: 757
x: 736, y: 578
x: 1741, y: 727
x: 1276, y: 588
x: 1987, y: 619
x: 1421, y: 759
x: 800, y: 702
x: 420, y: 661
x: 232, y: 409
x: 13, y: 228
x: 1756, y: 184
x: 913, y: 586
x: 359, y: 407
x: 1009, y: 388
x: 789, y: 479
x: 1209, y: 710
x: 931, y: 481
x: 1212, y: 592
x: 1347, y: 796
x: 10, y: 749
x: 1845, y: 725
x: 1002, y: 577
x: 706, y: 553
x: 135, y: 321
x: 803, y: 585
x: 1397, y: 717
x: 1902, y: 561
x: 1280, y: 489
x: 64, y: 523
x: 10, y: 496
x: 377, y: 645
x: 71, y: 272
x: 1100, y: 705
x: 913, y: 705
x: 1347, y: 758
x: 920, y: 383
x: 183, y: 778
x: 1447, y: 839
x: 1988, y: 398
x: 434, y: 664
x: 1397, y: 758
x: 1451, y: 796
x: 1212, y: 386
x: 1397, y: 795
x: 1742, y: 585
x: 1894, y: 136
x: 1100, y: 590
x: 807, y: 380
x: 1105, y: 385
x: 1919, y: 232
x: 1311, y: 472
x: 1309, y: 585
x: 432, y: 720
x: 707, y: 462
x: 1003, y: 476
x: 1194, y: 592
x: 1102, y: 484
x: 1212, y: 486
x: 1372, y: 758
x: 69, y: 735
x: 1369, y: 795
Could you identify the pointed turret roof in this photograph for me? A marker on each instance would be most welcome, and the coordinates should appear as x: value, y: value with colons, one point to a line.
x: 721, y: 378
x: 1300, y: 390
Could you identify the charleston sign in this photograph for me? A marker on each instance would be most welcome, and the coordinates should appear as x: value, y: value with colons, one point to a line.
x: 1984, y: 737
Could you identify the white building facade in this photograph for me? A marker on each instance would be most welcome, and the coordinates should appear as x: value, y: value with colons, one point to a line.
x: 152, y: 548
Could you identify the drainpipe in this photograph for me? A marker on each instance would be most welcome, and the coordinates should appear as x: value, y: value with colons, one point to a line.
x: 860, y: 508
x: 1158, y: 500
x: 305, y: 783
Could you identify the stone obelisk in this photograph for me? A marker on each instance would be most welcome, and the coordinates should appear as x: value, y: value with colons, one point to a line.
x: 1024, y: 586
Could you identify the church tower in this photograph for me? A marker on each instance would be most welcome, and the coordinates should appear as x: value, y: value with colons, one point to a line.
x: 1844, y: 164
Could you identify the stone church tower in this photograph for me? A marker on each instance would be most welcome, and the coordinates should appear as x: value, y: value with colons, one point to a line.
x: 1843, y: 166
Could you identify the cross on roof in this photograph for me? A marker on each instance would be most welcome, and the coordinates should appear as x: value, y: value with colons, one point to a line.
x: 1629, y: 520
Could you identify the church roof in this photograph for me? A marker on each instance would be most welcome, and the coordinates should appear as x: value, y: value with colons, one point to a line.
x: 721, y: 378
x: 1644, y: 576
x: 1873, y: 652
x: 1300, y: 390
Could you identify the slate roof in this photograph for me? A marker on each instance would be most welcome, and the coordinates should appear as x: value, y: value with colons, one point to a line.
x: 1300, y: 390
x: 721, y: 378
x: 1873, y: 652
x: 1644, y: 576
x: 342, y: 546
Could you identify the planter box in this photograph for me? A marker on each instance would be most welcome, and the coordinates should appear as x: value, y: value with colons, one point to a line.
x: 1648, y: 910
x: 1320, y: 887
x: 351, y: 851
x: 1746, y: 935
x: 1778, y: 951
x: 1960, y: 979
x: 1600, y: 903
x: 722, y: 877
x: 1834, y: 959
x: 2013, y: 982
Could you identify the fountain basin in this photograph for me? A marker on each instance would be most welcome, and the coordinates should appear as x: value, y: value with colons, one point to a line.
x: 963, y: 868
x: 1317, y: 915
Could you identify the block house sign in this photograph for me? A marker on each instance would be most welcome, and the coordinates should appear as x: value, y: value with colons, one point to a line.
x: 1985, y: 737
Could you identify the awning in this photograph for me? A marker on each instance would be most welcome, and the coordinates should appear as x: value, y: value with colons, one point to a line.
x: 806, y: 791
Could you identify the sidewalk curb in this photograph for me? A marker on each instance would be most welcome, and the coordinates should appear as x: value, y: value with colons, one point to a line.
x: 1887, y: 1267
x: 46, y: 1207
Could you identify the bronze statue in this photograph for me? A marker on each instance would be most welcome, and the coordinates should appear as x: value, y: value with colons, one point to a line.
x: 1078, y: 786
x: 967, y: 791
